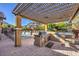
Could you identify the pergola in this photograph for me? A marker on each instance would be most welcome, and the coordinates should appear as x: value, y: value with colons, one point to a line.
x: 44, y: 13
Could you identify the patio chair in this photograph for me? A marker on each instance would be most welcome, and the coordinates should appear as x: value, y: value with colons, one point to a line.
x: 59, y: 38
x: 63, y: 40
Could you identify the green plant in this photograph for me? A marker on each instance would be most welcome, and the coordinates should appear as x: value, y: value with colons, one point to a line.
x: 40, y: 27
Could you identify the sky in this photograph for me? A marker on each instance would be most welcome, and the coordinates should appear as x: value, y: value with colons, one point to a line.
x: 7, y: 8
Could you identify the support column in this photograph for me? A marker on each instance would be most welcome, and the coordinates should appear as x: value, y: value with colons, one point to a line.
x: 46, y: 27
x: 1, y: 23
x: 1, y: 29
x: 18, y: 31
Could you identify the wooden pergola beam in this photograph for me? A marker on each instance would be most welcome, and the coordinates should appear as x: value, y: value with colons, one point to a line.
x: 74, y: 14
x: 18, y: 31
x: 32, y: 19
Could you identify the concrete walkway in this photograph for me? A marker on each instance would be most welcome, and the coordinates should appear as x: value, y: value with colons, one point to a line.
x: 28, y: 49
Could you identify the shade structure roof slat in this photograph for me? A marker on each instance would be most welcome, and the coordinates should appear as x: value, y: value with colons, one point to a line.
x: 50, y: 13
x: 46, y: 12
x: 63, y: 12
x: 21, y: 7
x: 52, y: 7
x: 57, y: 9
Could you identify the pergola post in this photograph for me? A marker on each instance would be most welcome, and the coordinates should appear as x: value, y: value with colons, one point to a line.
x: 46, y: 27
x: 18, y: 31
x: 1, y: 23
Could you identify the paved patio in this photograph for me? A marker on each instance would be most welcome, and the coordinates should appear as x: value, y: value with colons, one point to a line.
x: 28, y: 49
